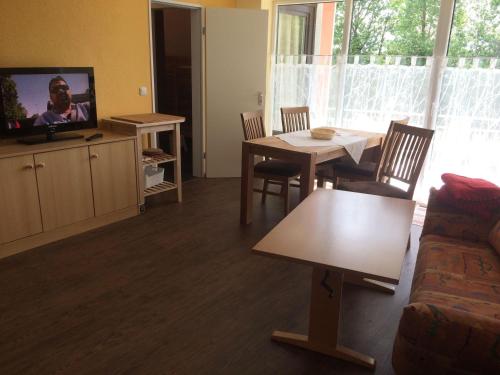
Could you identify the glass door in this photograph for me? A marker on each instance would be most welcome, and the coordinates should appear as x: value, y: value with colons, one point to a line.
x: 467, y: 125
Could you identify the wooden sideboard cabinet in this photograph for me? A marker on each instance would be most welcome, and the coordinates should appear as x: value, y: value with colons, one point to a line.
x: 19, y: 204
x: 64, y: 187
x: 55, y: 190
x: 114, y: 176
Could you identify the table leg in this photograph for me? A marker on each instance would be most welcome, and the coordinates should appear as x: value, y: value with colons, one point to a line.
x: 324, y: 321
x: 178, y: 165
x: 372, y: 284
x: 307, y: 174
x: 246, y: 203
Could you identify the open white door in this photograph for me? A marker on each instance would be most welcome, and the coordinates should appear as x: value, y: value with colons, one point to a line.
x: 236, y: 49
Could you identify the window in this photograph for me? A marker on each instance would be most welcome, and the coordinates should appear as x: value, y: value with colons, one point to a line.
x: 296, y: 30
x: 396, y: 66
x: 308, y: 40
x: 388, y: 70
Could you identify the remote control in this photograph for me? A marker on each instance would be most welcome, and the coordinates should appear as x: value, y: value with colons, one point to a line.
x: 94, y: 136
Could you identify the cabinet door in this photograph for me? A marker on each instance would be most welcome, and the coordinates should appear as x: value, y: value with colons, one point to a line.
x: 19, y: 206
x: 114, y: 178
x: 64, y: 187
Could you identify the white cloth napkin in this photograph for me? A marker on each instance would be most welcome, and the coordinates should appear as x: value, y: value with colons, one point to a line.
x: 353, y: 144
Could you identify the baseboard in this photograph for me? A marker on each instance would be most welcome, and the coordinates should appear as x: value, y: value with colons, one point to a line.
x: 44, y: 238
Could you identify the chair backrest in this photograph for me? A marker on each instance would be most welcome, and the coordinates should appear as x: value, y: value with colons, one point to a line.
x: 253, y: 125
x: 294, y: 119
x: 403, y: 120
x: 403, y: 155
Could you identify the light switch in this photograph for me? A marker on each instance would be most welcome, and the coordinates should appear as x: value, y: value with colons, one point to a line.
x: 143, y: 91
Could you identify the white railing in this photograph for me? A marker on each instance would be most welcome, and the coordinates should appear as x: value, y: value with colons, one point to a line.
x: 467, y: 128
x: 380, y: 88
x: 376, y: 89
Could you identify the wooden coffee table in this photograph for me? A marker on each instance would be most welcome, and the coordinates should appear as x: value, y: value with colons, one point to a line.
x: 345, y: 236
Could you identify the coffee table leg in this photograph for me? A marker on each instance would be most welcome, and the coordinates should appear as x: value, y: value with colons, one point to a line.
x: 372, y: 284
x: 324, y: 321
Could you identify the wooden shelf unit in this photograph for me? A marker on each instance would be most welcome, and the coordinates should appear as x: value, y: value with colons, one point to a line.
x: 159, y: 188
x: 159, y: 159
x: 149, y: 123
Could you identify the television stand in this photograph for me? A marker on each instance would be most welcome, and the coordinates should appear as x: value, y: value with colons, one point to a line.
x: 49, y: 137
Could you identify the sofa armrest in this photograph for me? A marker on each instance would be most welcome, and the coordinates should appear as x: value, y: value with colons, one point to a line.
x: 445, y: 220
x: 436, y: 340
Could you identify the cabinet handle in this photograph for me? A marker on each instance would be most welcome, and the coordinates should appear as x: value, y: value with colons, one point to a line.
x: 40, y: 165
x: 29, y: 166
x: 94, y: 156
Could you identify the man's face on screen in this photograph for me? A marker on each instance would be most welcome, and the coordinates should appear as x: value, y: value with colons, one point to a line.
x: 60, y: 94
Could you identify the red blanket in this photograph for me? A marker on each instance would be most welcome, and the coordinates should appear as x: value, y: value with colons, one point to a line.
x: 473, y: 195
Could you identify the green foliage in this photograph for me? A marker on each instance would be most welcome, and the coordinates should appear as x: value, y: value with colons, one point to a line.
x: 415, y: 27
x: 12, y: 108
x: 476, y: 29
x: 408, y: 28
x: 338, y: 28
x: 372, y: 20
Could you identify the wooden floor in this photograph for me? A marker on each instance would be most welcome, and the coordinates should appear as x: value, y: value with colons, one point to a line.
x: 177, y: 291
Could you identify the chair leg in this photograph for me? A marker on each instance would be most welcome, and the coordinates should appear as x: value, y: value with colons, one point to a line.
x: 264, y: 191
x: 335, y: 181
x: 321, y: 182
x: 286, y: 196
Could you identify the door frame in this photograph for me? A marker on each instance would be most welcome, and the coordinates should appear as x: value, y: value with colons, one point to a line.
x: 198, y: 86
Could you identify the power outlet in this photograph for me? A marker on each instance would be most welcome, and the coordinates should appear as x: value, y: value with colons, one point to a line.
x: 143, y: 91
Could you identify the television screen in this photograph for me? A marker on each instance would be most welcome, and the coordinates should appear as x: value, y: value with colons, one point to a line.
x: 31, y: 100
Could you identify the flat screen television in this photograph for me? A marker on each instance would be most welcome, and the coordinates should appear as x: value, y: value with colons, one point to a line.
x: 36, y: 104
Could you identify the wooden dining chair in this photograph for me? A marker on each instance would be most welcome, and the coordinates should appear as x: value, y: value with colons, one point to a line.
x: 404, y: 152
x: 345, y: 168
x: 294, y: 119
x: 272, y: 171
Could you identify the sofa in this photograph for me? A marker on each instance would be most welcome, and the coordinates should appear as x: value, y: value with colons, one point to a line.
x: 452, y: 322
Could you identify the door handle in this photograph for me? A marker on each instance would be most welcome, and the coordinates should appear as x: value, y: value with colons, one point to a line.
x: 260, y: 98
x: 29, y: 166
x: 40, y: 165
x: 94, y: 156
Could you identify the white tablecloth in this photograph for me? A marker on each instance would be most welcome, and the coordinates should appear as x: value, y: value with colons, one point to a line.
x: 353, y: 144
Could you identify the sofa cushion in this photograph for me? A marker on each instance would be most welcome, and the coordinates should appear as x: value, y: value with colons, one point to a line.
x: 473, y: 195
x: 364, y: 168
x: 458, y: 274
x: 278, y: 168
x: 439, y: 340
x: 475, y: 260
x: 494, y: 237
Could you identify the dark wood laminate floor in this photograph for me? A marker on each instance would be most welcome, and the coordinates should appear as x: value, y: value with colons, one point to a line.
x: 177, y: 291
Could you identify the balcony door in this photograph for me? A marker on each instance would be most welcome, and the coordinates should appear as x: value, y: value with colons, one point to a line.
x: 435, y: 61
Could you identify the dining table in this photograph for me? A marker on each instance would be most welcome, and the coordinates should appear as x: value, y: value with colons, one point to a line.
x: 308, y: 157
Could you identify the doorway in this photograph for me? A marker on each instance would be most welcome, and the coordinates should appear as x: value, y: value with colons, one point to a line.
x: 176, y: 35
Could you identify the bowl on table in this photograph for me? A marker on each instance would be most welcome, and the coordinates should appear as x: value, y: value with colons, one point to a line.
x: 325, y: 133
